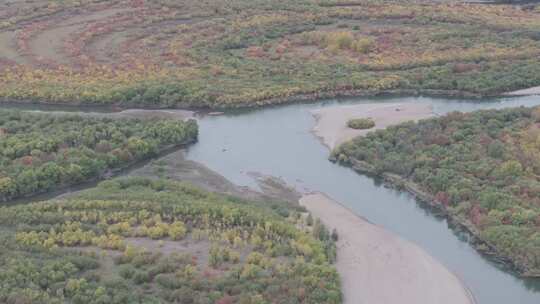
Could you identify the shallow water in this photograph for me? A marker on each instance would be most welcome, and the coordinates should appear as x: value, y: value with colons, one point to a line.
x: 277, y: 141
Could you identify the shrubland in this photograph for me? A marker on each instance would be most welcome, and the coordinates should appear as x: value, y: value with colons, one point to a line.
x: 112, y: 244
x: 361, y: 123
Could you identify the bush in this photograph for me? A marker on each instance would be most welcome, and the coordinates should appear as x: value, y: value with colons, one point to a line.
x: 361, y: 123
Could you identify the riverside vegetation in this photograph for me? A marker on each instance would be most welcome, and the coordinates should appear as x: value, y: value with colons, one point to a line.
x: 41, y: 152
x: 482, y: 167
x: 247, y: 53
x: 361, y: 123
x: 156, y: 241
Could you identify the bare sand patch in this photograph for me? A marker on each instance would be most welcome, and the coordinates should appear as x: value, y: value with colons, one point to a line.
x: 331, y: 126
x: 525, y: 92
x: 379, y: 267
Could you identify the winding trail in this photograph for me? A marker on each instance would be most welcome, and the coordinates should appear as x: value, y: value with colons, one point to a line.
x: 378, y: 267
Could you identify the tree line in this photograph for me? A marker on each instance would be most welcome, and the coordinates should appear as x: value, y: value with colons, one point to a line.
x: 41, y: 152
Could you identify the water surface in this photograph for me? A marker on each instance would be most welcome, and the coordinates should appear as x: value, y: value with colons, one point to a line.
x: 277, y: 141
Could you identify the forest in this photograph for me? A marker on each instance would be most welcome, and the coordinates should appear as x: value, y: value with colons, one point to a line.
x: 246, y: 53
x: 482, y: 167
x: 40, y: 152
x: 136, y: 240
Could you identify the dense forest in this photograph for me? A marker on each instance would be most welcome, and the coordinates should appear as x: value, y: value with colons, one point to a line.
x: 482, y: 167
x: 156, y: 241
x: 41, y: 152
x: 255, y: 52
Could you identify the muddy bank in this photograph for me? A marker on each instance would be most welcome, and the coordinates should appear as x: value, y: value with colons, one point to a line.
x: 377, y: 266
x: 331, y: 122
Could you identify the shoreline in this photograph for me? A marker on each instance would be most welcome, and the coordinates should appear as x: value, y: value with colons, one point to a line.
x: 260, y: 103
x: 401, y: 184
x: 103, y: 176
x: 271, y: 101
x: 331, y: 122
x: 378, y: 266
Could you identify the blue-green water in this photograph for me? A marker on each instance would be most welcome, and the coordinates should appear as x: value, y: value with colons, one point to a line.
x: 277, y: 141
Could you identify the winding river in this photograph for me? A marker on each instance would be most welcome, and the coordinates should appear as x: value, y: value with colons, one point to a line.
x: 278, y: 141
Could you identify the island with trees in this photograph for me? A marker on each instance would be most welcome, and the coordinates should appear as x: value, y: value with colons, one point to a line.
x: 482, y: 168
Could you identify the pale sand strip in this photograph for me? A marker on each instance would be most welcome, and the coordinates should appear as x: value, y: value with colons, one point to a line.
x: 378, y: 267
x: 525, y: 92
x: 331, y: 126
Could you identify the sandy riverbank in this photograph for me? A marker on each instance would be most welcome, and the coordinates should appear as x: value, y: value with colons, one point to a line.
x: 331, y: 126
x: 525, y: 92
x: 377, y: 266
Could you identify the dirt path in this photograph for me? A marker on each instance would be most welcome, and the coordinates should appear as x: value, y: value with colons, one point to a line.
x: 378, y: 267
x: 331, y: 126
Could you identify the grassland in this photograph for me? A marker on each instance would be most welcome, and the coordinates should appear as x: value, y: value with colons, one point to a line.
x: 220, y: 54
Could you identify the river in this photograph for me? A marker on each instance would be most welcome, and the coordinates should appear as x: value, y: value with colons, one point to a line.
x: 277, y: 141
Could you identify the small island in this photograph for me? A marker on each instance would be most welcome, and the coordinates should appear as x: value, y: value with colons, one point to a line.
x: 361, y: 123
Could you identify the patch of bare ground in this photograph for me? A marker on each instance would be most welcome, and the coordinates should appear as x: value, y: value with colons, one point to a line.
x: 48, y: 44
x: 176, y: 167
x: 331, y: 122
x: 200, y: 249
x: 106, y: 258
x: 377, y: 266
x: 275, y: 187
x: 196, y: 248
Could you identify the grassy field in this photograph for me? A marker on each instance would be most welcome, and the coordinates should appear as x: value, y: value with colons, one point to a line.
x: 155, y: 241
x: 254, y: 52
x: 483, y: 168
